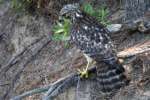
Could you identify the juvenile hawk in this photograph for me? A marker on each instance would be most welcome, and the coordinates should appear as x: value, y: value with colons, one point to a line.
x: 92, y: 39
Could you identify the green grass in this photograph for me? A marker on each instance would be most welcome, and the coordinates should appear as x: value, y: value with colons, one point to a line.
x: 99, y: 13
x: 62, y: 30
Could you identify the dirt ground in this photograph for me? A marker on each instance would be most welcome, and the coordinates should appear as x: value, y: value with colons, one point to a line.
x: 30, y: 59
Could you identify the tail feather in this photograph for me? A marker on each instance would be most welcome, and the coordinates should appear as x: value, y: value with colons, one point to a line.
x: 111, y: 78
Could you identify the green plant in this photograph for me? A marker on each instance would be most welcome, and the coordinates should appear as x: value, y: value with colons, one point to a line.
x: 88, y: 8
x: 100, y: 13
x: 61, y: 30
x: 102, y: 16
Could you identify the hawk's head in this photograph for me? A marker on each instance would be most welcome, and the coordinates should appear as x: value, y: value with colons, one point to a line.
x: 71, y: 11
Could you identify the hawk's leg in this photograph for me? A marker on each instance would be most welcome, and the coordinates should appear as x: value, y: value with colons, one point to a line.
x: 84, y: 72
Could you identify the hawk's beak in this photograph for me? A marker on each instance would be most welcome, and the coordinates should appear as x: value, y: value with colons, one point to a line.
x: 60, y: 19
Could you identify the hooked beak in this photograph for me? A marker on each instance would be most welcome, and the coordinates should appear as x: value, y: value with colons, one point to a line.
x: 60, y: 19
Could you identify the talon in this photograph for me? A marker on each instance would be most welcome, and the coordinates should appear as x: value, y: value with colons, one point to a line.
x: 83, y: 73
x: 86, y: 75
x: 79, y: 71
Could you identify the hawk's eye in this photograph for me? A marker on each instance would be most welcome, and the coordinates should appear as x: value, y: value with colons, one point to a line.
x: 67, y: 16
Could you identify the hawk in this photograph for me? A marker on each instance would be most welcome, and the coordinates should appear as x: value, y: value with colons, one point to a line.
x: 93, y: 39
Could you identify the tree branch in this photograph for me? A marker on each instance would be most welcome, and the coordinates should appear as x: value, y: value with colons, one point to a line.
x: 135, y: 50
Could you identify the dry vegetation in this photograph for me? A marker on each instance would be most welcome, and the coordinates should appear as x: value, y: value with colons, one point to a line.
x: 28, y: 64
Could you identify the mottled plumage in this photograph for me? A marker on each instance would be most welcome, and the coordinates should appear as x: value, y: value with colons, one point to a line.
x: 93, y: 39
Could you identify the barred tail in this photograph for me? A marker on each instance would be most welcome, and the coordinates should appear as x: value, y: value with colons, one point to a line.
x: 111, y: 77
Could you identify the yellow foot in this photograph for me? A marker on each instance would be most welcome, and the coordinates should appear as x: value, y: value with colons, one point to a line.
x: 83, y: 73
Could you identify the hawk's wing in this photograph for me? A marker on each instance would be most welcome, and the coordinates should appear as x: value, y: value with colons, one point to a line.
x: 93, y: 39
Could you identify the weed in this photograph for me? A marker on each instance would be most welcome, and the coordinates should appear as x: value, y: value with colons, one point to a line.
x: 100, y: 13
x: 62, y: 30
